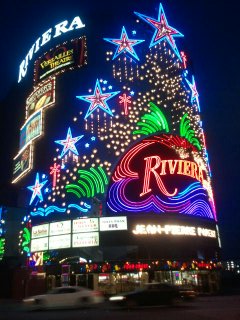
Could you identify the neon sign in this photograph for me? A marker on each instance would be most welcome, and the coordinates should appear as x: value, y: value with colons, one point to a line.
x: 43, y: 96
x: 183, y: 167
x: 58, y: 29
x: 174, y: 230
x: 31, y: 130
x: 151, y: 177
x: 67, y: 56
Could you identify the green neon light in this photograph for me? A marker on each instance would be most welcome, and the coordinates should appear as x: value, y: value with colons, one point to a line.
x: 98, y: 180
x: 152, y: 122
x: 78, y: 191
x: 74, y: 192
x: 89, y: 177
x: 2, y: 247
x: 188, y: 133
x: 160, y: 115
x: 91, y: 182
x: 86, y: 187
x: 26, y: 235
x: 88, y: 181
x: 104, y: 175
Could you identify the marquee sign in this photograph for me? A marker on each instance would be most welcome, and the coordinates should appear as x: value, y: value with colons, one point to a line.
x: 58, y: 30
x: 69, y: 55
x: 22, y: 163
x: 153, y: 177
x: 31, y: 130
x: 43, y: 96
x: 175, y: 230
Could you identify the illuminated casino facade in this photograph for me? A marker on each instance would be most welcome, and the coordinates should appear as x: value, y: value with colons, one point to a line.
x: 113, y: 155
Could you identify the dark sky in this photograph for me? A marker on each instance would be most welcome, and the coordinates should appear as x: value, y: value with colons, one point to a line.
x: 211, y: 39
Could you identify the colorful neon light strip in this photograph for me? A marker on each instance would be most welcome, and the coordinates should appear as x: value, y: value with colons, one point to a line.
x: 185, y: 204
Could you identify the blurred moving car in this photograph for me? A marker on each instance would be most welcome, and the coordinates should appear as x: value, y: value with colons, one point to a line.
x: 64, y: 297
x: 187, y: 292
x: 151, y: 294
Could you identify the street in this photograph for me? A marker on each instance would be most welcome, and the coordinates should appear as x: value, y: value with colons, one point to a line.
x: 204, y: 308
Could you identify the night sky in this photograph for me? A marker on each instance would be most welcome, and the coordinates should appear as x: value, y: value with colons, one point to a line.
x: 211, y: 42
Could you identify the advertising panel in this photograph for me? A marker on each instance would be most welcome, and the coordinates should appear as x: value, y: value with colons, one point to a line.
x: 69, y: 55
x: 60, y: 227
x: 22, y: 163
x: 31, y: 129
x: 42, y: 97
x: 60, y: 242
x: 40, y: 231
x: 85, y: 225
x: 85, y: 239
x: 40, y: 244
x: 113, y: 223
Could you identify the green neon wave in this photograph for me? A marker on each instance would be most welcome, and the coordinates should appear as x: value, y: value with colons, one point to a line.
x: 188, y: 133
x: 152, y: 122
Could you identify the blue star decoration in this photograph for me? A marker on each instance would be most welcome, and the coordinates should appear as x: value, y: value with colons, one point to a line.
x: 162, y: 30
x: 98, y: 100
x: 124, y: 44
x: 69, y: 143
x: 37, y: 189
x: 195, y: 95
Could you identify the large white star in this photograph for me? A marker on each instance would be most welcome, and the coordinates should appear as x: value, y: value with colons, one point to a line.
x: 36, y: 189
x: 124, y: 44
x: 162, y: 30
x: 69, y: 143
x: 98, y: 100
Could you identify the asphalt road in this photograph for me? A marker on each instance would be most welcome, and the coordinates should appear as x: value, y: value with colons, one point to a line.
x: 204, y: 308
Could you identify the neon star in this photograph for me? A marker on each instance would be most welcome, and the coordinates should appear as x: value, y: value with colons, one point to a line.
x: 98, y: 100
x: 124, y: 44
x: 195, y: 94
x: 69, y: 143
x: 125, y: 100
x: 162, y: 30
x: 36, y: 189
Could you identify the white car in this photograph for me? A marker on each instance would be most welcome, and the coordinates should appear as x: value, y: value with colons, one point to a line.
x: 64, y: 297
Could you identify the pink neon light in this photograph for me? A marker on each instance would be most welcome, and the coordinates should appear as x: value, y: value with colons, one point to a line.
x: 184, y: 59
x: 55, y: 169
x: 125, y: 100
x: 151, y: 169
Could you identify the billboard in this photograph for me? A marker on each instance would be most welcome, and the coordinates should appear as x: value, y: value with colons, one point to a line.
x: 22, y: 163
x: 85, y: 225
x: 85, y: 239
x: 60, y: 227
x: 113, y: 223
x: 66, y: 56
x: 31, y: 130
x: 40, y: 231
x: 60, y: 242
x: 42, y: 97
x: 40, y: 244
